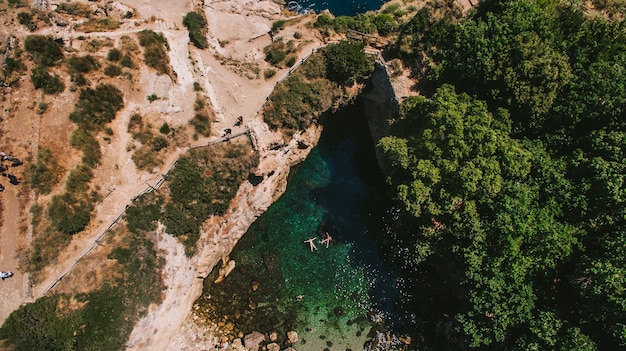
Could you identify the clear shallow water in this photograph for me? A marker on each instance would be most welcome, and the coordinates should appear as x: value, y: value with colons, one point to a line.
x: 339, y: 7
x: 332, y: 296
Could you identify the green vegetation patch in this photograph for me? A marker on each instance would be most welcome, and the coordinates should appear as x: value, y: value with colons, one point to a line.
x: 82, y: 64
x: 44, y: 50
x: 202, y: 184
x: 48, y: 82
x: 26, y: 19
x: 296, y: 103
x: 11, y: 71
x: 370, y: 23
x: 74, y: 8
x: 278, y: 51
x: 96, y: 107
x: 347, y: 63
x: 100, y: 320
x: 44, y: 173
x: 196, y: 24
x: 155, y: 50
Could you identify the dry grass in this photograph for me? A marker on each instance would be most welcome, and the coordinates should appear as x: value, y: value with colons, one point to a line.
x: 97, y: 25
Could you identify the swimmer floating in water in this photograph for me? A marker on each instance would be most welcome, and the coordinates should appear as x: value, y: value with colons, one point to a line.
x: 327, y: 240
x: 311, y: 244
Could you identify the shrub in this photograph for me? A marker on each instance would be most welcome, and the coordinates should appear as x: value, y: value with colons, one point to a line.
x: 42, y: 79
x: 148, y: 37
x: 114, y: 55
x: 297, y: 35
x: 44, y: 173
x: 16, y: 3
x: 135, y: 123
x: 197, y: 87
x: 11, y: 71
x: 275, y: 56
x: 42, y: 107
x: 278, y: 26
x: 82, y: 64
x: 68, y: 215
x: 100, y: 320
x: 112, y: 70
x: 143, y: 213
x: 96, y: 107
x: 85, y: 141
x: 146, y: 158
x: 26, y: 19
x: 78, y: 180
x: 11, y: 66
x: 74, y: 8
x: 159, y: 143
x: 269, y: 73
x: 290, y: 61
x: 198, y: 105
x: 295, y: 103
x: 43, y: 49
x: 126, y: 61
x: 40, y: 325
x: 196, y: 23
x: 201, y: 124
x: 165, y: 129
x: 156, y: 57
x: 79, y: 80
x: 152, y: 97
x: 314, y: 67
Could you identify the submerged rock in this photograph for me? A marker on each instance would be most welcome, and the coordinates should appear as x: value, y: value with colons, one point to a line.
x: 273, y: 347
x: 292, y: 336
x: 252, y: 340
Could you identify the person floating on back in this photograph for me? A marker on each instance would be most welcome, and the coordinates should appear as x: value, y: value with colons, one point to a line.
x: 311, y: 243
x: 327, y: 240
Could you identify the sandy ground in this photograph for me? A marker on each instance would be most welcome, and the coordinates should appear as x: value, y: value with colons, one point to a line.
x: 237, y: 30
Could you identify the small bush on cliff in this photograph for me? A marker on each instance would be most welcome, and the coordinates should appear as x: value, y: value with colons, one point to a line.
x: 196, y: 23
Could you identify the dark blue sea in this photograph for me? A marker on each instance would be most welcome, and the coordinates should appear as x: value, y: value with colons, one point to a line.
x: 338, y: 7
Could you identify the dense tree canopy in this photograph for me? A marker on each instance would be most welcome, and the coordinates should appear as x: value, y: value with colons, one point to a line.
x: 529, y: 209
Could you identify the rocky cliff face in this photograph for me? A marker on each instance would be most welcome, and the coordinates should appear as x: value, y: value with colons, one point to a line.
x: 381, y: 105
x: 219, y: 236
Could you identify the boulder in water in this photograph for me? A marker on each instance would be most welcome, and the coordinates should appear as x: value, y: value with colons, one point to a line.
x: 252, y: 340
x: 292, y: 336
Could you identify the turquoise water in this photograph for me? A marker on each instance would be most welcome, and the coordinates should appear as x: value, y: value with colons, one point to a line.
x: 332, y: 296
x: 339, y: 7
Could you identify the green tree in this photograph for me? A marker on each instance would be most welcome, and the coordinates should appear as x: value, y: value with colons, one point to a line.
x: 448, y: 150
x: 346, y: 62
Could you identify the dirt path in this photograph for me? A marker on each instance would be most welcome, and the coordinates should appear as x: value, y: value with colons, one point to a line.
x: 12, y: 289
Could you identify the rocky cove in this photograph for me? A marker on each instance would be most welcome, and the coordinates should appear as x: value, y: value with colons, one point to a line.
x: 184, y: 277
